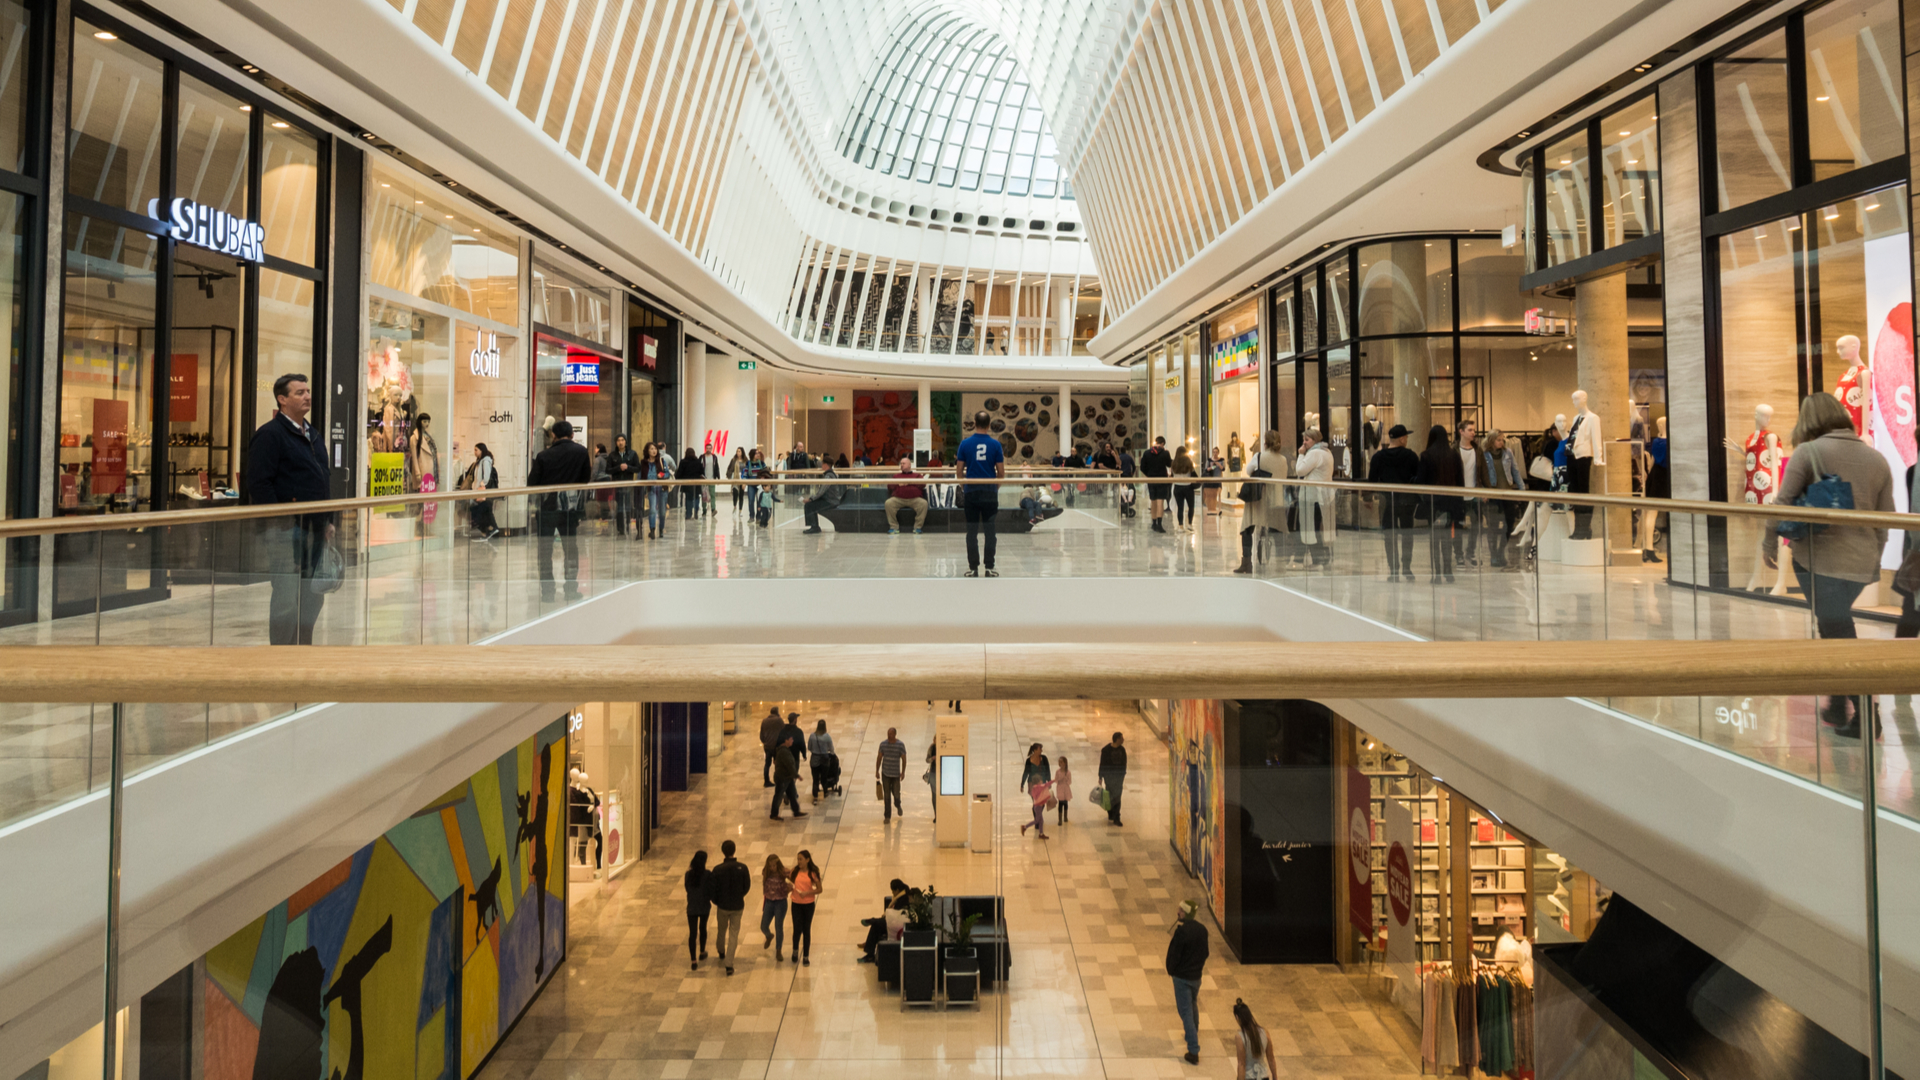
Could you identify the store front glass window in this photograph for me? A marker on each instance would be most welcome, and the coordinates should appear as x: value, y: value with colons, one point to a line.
x: 203, y: 377
x: 1526, y: 212
x: 1750, y: 103
x: 1814, y: 302
x: 1285, y: 333
x: 1336, y: 425
x: 1234, y: 366
x: 106, y: 369
x: 580, y: 386
x: 1397, y: 387
x: 564, y: 301
x: 15, y: 25
x: 286, y: 334
x: 1489, y: 284
x: 1855, y: 114
x: 444, y: 339
x: 113, y: 142
x: 289, y: 191
x: 1310, y: 338
x: 1567, y: 175
x: 1630, y: 173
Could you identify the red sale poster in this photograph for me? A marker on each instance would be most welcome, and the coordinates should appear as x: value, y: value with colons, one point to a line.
x: 183, y: 388
x: 1360, y: 852
x: 109, y: 446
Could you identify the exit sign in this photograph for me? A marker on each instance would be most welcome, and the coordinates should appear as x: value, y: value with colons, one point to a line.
x: 748, y: 365
x: 826, y: 399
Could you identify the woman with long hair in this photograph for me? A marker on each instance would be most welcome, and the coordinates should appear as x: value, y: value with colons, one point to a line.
x: 653, y: 467
x: 623, y: 464
x: 1264, y: 506
x: 1036, y: 779
x: 1254, y: 1060
x: 1183, y: 488
x: 690, y: 468
x: 698, y: 907
x: 807, y: 881
x: 1440, y: 467
x: 774, y: 888
x: 737, y: 472
x: 480, y: 512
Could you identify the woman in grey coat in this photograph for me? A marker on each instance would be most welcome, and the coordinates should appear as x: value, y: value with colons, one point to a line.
x: 1838, y: 561
x: 1269, y: 510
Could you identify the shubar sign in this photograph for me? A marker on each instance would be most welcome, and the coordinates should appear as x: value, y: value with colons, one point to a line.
x: 216, y: 230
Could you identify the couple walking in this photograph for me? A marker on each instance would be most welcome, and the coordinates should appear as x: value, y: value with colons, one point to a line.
x: 724, y: 889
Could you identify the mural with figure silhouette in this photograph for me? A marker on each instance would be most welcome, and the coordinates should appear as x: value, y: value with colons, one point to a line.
x: 413, y: 956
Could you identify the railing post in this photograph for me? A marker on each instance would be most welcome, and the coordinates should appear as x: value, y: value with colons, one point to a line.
x: 1870, y: 868
x: 115, y: 799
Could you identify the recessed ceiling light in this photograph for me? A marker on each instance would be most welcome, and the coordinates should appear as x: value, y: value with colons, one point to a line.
x: 1633, y: 161
x: 246, y: 108
x: 1871, y: 206
x: 105, y: 35
x: 1566, y: 161
x: 1822, y: 97
x: 386, y: 185
x: 1833, y: 213
x: 279, y: 123
x: 417, y: 202
x: 1626, y: 133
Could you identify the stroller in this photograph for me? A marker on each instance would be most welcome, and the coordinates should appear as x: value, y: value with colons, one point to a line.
x: 826, y: 770
x: 1127, y: 499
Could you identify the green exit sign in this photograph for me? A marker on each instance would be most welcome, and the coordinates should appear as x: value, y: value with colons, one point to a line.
x: 748, y: 365
x: 826, y: 399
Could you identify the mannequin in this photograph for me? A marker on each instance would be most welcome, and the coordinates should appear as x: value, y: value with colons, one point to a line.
x: 1587, y: 450
x: 1370, y: 430
x: 1765, y: 460
x: 1659, y: 486
x: 1855, y: 388
x: 583, y: 817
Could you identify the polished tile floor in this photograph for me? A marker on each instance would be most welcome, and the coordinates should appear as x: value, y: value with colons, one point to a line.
x: 447, y: 589
x: 1088, y: 910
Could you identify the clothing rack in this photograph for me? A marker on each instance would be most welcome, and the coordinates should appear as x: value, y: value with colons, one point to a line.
x: 1482, y: 1023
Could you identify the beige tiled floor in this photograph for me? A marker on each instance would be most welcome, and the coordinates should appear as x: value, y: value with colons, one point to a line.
x: 1088, y: 911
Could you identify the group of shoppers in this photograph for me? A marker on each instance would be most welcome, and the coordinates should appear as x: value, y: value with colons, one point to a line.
x: 785, y: 891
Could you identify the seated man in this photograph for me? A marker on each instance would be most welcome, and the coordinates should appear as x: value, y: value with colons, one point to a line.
x: 825, y: 496
x: 1036, y: 505
x: 899, y: 495
x: 880, y: 929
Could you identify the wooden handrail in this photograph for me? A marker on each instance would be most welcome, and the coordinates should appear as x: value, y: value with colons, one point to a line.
x: 22, y: 527
x: 45, y: 674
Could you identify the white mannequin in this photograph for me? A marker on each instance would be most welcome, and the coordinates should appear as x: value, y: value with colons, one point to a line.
x: 1855, y: 387
x: 1588, y: 450
x: 1764, y: 454
x: 1370, y: 426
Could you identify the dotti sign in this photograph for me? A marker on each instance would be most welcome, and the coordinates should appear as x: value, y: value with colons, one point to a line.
x: 216, y: 230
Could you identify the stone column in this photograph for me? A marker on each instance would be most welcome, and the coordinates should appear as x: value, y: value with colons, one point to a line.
x: 924, y: 417
x: 1600, y: 343
x: 1066, y: 419
x: 1063, y: 319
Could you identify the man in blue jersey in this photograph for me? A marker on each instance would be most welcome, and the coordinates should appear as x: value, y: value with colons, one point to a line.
x: 980, y: 458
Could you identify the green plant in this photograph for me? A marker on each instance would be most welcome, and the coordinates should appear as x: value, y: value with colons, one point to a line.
x: 960, y: 931
x: 920, y: 911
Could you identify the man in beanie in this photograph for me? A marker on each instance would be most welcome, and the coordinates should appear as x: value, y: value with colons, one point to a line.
x: 1396, y: 464
x: 1186, y: 959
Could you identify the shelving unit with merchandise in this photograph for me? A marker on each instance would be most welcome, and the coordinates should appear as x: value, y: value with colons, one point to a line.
x: 1391, y: 776
x: 1500, y: 879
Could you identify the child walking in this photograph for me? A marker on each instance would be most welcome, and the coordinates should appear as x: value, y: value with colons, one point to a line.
x: 1063, y: 788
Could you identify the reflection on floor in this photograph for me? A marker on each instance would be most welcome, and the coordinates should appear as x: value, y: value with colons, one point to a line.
x: 1088, y: 909
x: 451, y: 590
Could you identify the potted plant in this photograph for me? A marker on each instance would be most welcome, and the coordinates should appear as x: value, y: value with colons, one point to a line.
x: 959, y: 935
x: 920, y: 911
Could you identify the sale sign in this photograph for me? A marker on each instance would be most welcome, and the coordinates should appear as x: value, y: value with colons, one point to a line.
x: 109, y: 446
x: 183, y: 387
x: 1360, y: 852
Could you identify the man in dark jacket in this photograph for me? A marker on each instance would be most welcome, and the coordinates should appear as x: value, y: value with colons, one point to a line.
x: 1396, y: 464
x: 564, y: 462
x: 1186, y: 960
x: 786, y: 770
x: 792, y: 731
x: 825, y: 496
x: 623, y: 464
x: 287, y: 463
x: 727, y: 888
x: 770, y: 727
x: 1157, y: 463
x: 1113, y: 774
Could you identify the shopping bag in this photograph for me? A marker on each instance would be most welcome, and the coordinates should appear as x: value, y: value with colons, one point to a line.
x: 1099, y: 795
x: 880, y: 790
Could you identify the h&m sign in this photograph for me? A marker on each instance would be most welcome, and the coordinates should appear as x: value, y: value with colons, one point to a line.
x: 216, y: 230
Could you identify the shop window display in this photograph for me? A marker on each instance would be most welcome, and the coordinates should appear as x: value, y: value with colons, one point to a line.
x: 1234, y: 367
x: 582, y: 387
x: 106, y: 371
x: 407, y: 371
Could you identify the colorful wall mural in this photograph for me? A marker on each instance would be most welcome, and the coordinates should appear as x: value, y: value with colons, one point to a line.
x: 883, y: 423
x: 1198, y: 806
x: 412, y: 957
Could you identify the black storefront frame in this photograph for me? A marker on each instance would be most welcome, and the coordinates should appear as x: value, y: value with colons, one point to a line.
x: 174, y: 63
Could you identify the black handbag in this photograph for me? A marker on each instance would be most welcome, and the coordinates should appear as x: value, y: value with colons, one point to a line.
x: 1250, y: 493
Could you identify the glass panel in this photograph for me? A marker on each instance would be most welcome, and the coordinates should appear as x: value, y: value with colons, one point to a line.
x: 1339, y: 295
x: 1753, y: 150
x: 592, y: 412
x: 106, y: 370
x: 289, y: 191
x: 408, y: 388
x: 489, y: 403
x: 1529, y: 237
x: 1404, y: 287
x: 203, y: 427
x: 1286, y: 402
x: 18, y: 558
x: 1630, y: 173
x: 1337, y: 425
x: 15, y: 49
x: 286, y: 335
x: 1285, y: 335
x: 1490, y: 295
x: 210, y: 157
x: 1309, y: 312
x: 1855, y: 115
x: 1567, y: 176
x: 1193, y: 380
x: 564, y: 301
x: 1760, y: 340
x: 113, y: 145
x: 425, y: 244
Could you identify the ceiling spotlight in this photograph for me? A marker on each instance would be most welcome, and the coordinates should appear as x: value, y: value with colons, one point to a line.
x: 449, y: 216
x: 1566, y: 161
x: 246, y: 108
x: 279, y: 123
x: 1822, y: 97
x: 1871, y: 206
x: 1833, y: 213
x: 386, y: 185
x: 105, y: 35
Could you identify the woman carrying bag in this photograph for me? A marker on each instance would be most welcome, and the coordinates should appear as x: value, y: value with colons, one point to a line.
x: 483, y: 475
x: 1036, y: 779
x: 1264, y: 507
